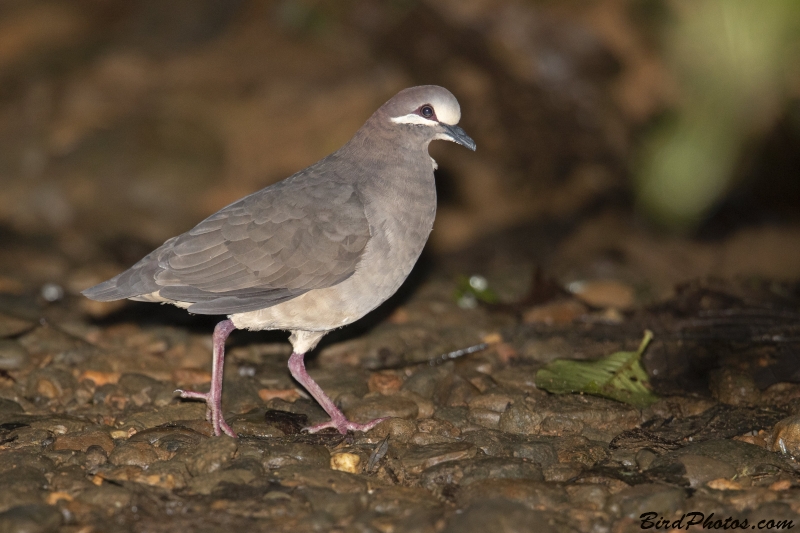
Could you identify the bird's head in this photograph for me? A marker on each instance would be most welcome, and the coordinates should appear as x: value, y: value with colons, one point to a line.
x: 428, y: 110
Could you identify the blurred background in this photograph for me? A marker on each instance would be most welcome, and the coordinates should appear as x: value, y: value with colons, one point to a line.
x: 646, y: 142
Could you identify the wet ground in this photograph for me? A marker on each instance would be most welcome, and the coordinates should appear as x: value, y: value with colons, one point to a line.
x: 92, y: 436
x: 124, y: 124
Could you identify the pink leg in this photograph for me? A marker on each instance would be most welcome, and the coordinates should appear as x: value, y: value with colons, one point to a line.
x: 214, y: 396
x: 298, y: 369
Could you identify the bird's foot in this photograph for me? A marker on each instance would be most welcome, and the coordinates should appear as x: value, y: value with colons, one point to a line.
x: 214, y: 412
x: 342, y: 425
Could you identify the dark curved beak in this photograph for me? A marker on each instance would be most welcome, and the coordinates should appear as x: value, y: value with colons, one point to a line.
x: 458, y: 135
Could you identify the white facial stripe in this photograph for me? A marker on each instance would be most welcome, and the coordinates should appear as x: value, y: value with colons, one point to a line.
x: 413, y: 118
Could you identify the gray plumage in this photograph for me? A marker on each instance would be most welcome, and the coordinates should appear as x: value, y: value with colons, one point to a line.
x: 314, y: 252
x: 310, y: 231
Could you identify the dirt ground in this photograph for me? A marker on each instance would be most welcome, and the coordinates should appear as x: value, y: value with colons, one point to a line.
x: 123, y: 124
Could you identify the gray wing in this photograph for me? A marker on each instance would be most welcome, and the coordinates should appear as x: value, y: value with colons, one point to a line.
x: 300, y: 234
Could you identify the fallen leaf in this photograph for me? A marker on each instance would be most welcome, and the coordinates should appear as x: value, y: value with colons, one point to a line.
x: 619, y: 376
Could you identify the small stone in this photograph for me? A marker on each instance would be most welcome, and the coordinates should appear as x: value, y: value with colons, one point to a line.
x: 425, y: 407
x: 188, y: 377
x: 517, y: 379
x: 283, y: 455
x: 100, y: 378
x: 644, y: 458
x: 561, y: 472
x: 346, y: 462
x: 724, y: 484
x: 426, y: 380
x: 631, y: 502
x: 498, y: 516
x: 374, y: 406
x: 11, y: 326
x: 13, y: 355
x: 604, y: 293
x: 783, y: 484
x: 287, y: 395
x: 85, y: 439
x: 139, y: 454
x: 106, y: 496
x: 95, y: 456
x: 211, y: 455
x: 485, y: 417
x: 555, y: 313
x: 542, y: 452
x: 701, y: 470
x: 384, y: 382
x: 733, y: 387
x: 532, y: 494
x: 52, y: 383
x: 418, y: 458
x: 492, y: 401
x: 314, y: 476
x: 32, y: 518
x: 206, y: 483
x: 398, y: 429
x: 10, y: 407
x: 786, y: 436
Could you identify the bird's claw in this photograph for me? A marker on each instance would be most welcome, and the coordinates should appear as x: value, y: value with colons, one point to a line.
x: 343, y: 425
x: 213, y: 413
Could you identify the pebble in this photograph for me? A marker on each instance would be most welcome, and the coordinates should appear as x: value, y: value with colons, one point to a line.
x: 168, y: 414
x: 83, y: 440
x: 384, y: 382
x: 51, y: 383
x: 106, y: 496
x: 282, y: 455
x: 13, y: 355
x: 541, y: 452
x: 316, y: 477
x: 426, y: 380
x: 31, y: 518
x: 398, y: 429
x: 631, y: 502
x: 498, y: 516
x: 733, y: 387
x: 747, y: 459
x: 375, y: 405
x: 418, y: 458
x: 700, y: 469
x: 492, y: 401
x: 562, y: 472
x: 485, y: 417
x: 604, y: 293
x: 532, y: 494
x: 11, y: 326
x: 346, y: 462
x: 140, y: 454
x: 211, y: 455
x: 464, y: 472
x: 518, y: 379
x: 558, y: 312
x: 786, y: 436
x: 425, y: 407
x: 9, y: 407
x: 206, y: 483
x: 95, y: 456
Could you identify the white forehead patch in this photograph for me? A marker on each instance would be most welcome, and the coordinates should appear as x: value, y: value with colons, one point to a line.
x: 413, y: 118
x: 444, y: 105
x: 447, y: 110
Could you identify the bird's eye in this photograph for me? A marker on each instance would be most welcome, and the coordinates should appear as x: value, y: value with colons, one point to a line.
x: 426, y: 111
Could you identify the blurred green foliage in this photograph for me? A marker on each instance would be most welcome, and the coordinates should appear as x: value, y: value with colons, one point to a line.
x: 735, y: 62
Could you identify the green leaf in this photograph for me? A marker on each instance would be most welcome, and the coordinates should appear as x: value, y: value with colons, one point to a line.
x: 619, y: 376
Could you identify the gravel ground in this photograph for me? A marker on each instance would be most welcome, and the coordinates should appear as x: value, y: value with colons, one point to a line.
x: 92, y: 436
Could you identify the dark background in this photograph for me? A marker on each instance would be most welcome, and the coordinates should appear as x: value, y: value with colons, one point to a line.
x: 641, y: 140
